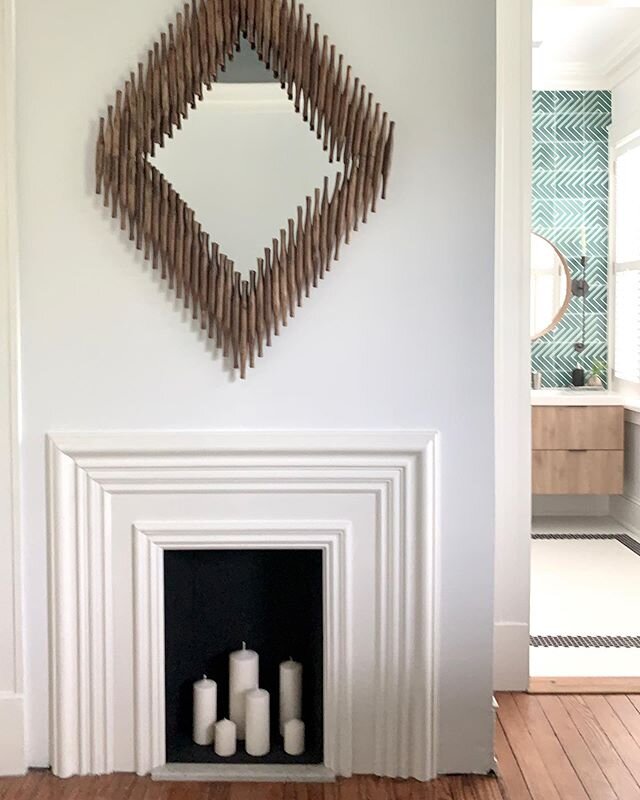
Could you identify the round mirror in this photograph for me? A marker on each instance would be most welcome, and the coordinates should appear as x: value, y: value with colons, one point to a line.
x: 550, y: 286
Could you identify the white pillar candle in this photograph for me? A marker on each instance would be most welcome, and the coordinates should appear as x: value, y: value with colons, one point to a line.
x: 225, y: 738
x: 294, y: 737
x: 243, y: 676
x: 290, y: 692
x: 205, y: 710
x: 258, y: 743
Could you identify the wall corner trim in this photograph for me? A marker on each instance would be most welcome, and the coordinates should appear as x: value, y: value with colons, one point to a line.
x: 12, y: 740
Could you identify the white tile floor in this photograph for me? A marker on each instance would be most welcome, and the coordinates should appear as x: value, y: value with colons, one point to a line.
x: 583, y: 587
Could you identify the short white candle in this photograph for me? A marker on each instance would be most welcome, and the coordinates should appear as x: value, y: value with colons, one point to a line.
x: 243, y: 676
x: 205, y: 710
x: 294, y: 737
x: 290, y: 692
x: 225, y: 738
x: 258, y: 742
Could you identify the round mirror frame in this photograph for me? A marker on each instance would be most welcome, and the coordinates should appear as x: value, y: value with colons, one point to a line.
x: 567, y: 299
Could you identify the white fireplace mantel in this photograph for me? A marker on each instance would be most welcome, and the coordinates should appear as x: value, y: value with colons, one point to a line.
x: 116, y: 500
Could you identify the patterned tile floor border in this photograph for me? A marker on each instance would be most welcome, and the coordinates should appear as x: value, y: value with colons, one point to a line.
x: 588, y: 641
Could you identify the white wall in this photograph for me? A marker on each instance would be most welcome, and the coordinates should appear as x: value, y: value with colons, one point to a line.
x: 399, y: 336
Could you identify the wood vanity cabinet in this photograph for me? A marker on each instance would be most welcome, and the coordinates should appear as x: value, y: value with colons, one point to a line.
x: 578, y: 449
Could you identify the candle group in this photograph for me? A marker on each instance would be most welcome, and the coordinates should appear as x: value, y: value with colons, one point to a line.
x: 249, y: 709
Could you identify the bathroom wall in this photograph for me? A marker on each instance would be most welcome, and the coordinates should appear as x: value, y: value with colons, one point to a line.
x: 571, y: 189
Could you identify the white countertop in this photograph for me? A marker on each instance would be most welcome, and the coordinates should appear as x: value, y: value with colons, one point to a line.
x: 577, y: 397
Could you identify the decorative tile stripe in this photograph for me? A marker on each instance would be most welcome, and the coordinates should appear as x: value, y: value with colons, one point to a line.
x: 571, y: 189
x: 584, y: 641
x: 625, y: 540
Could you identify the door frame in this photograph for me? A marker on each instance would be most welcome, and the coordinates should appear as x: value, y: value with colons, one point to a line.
x: 512, y: 344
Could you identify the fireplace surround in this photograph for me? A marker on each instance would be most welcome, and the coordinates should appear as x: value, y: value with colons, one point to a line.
x: 367, y: 500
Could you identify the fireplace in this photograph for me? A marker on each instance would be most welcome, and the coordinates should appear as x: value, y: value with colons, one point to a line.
x: 129, y: 510
x: 216, y: 599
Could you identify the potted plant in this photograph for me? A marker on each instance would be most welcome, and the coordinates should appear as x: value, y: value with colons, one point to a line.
x: 597, y: 371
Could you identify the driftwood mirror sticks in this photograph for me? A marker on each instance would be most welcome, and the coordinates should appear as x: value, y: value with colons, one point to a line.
x: 242, y: 315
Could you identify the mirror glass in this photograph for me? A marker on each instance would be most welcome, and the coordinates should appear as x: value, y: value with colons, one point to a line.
x: 550, y: 286
x: 245, y: 161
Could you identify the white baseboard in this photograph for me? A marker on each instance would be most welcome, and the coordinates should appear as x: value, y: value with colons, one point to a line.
x: 12, y: 747
x: 626, y: 511
x: 569, y: 505
x: 510, y: 656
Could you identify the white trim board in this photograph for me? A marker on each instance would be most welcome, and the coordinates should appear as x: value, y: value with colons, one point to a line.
x: 512, y: 344
x: 12, y: 745
x: 88, y: 473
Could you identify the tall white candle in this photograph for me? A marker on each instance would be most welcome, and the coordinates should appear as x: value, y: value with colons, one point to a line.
x: 290, y: 692
x: 205, y: 710
x: 225, y: 738
x: 243, y: 676
x: 583, y: 239
x: 294, y: 737
x: 258, y: 742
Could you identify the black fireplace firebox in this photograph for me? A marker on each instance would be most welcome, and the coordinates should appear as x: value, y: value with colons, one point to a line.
x: 215, y: 600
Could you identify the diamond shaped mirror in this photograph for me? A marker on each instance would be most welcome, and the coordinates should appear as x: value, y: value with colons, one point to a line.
x: 205, y: 209
x: 245, y: 161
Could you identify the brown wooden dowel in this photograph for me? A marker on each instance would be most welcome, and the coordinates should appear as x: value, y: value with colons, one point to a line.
x: 164, y: 228
x: 271, y: 310
x: 367, y: 193
x: 299, y: 56
x: 305, y: 78
x: 108, y: 155
x: 377, y: 166
x: 288, y: 262
x: 188, y: 57
x: 251, y: 318
x: 148, y: 210
x: 186, y: 256
x: 243, y: 328
x: 155, y: 217
x: 331, y: 96
x: 172, y: 61
x: 309, y: 279
x: 158, y: 136
x: 208, y: 313
x: 260, y: 309
x: 165, y: 115
x: 115, y: 156
x: 196, y: 59
x: 386, y: 161
x: 203, y: 282
x: 236, y: 312
x: 296, y: 233
x: 100, y: 156
x: 228, y: 307
x: 321, y: 93
x: 316, y: 258
x: 196, y: 258
x: 353, y: 105
x: 204, y: 48
x: 179, y: 250
x: 171, y: 236
x: 181, y: 84
x: 283, y: 51
x: 324, y: 222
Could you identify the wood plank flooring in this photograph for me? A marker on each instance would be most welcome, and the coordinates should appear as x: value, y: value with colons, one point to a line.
x: 571, y: 747
x: 549, y: 747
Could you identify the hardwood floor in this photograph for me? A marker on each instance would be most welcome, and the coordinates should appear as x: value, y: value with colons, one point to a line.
x: 549, y: 747
x: 569, y: 747
x: 42, y: 786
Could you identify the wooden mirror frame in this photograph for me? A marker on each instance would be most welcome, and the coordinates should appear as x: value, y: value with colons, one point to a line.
x: 567, y: 299
x: 242, y: 315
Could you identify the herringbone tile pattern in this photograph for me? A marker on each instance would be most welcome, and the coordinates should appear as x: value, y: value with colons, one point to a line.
x: 571, y: 189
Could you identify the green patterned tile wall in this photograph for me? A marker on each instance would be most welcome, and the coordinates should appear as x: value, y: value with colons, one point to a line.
x: 571, y: 189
